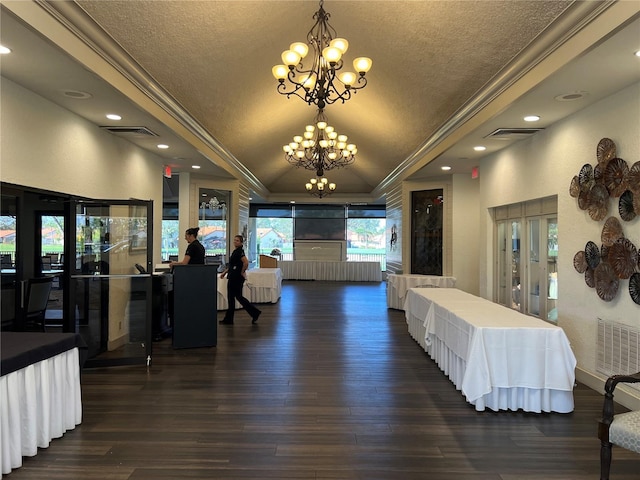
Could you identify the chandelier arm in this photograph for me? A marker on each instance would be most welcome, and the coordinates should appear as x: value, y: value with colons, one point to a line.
x: 343, y: 97
x: 282, y: 89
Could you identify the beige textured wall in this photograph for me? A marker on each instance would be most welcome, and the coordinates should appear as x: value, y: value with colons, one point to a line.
x: 544, y: 165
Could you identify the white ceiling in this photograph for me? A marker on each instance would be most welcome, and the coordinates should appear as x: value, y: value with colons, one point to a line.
x: 445, y: 74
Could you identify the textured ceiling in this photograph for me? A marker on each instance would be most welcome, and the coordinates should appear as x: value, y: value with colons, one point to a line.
x: 429, y: 58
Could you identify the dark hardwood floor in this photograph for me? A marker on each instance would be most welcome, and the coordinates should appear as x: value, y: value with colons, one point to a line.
x: 327, y: 385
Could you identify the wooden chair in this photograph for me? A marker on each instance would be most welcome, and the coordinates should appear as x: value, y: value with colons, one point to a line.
x: 35, y: 303
x: 622, y: 430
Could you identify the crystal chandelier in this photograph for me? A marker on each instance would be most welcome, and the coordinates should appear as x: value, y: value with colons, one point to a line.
x: 322, y: 187
x: 213, y: 204
x: 320, y: 148
x: 318, y: 83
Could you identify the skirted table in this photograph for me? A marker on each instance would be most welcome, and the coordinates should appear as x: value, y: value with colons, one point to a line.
x: 331, y: 270
x: 398, y: 284
x: 263, y: 285
x: 499, y: 358
x: 40, y: 395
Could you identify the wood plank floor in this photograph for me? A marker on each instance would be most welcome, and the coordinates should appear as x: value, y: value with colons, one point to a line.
x: 328, y: 385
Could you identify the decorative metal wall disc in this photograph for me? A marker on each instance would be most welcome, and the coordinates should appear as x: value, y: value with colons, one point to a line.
x: 583, y: 198
x: 589, y: 277
x: 580, y: 262
x: 574, y: 187
x: 625, y: 206
x: 604, y: 252
x: 611, y: 231
x: 586, y: 177
x: 623, y: 257
x: 634, y: 287
x: 592, y: 254
x: 615, y: 176
x: 598, y: 202
x: 605, y: 151
x: 606, y: 282
x: 633, y: 178
x: 598, y: 173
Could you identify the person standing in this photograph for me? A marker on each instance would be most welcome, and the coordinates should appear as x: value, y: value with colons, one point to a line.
x: 195, y: 250
x: 236, y: 273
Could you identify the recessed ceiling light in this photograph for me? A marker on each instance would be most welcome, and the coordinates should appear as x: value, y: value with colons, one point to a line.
x: 196, y: 167
x: 292, y: 201
x: 531, y: 118
x: 76, y: 94
x: 4, y: 50
x: 445, y: 167
x: 113, y: 116
x: 163, y: 146
x: 479, y: 148
x: 569, y: 97
x: 637, y: 53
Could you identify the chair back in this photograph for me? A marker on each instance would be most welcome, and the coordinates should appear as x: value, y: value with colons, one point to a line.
x: 5, y: 260
x: 46, y: 263
x: 35, y: 302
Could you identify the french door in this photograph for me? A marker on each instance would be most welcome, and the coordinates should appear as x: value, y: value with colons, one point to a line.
x: 527, y: 275
x: 109, y: 302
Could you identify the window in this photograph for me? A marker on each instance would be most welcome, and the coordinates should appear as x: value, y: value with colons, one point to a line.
x: 170, y: 231
x: 273, y: 227
x: 366, y: 235
x: 276, y: 227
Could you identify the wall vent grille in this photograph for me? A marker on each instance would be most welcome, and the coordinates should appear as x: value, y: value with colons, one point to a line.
x: 618, y: 349
x: 130, y: 131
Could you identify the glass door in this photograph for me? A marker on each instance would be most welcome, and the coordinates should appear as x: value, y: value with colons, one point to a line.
x: 508, y: 264
x: 534, y: 269
x: 542, y: 272
x: 515, y: 265
x: 110, y: 286
x: 50, y: 252
x: 552, y: 269
x: 8, y: 245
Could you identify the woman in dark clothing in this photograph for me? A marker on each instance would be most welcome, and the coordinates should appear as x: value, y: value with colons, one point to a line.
x: 236, y: 275
x: 195, y: 250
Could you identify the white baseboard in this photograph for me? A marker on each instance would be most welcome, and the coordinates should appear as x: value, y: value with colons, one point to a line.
x: 625, y: 396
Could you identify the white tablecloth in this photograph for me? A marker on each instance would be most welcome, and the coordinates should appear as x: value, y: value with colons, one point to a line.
x: 397, y: 286
x: 263, y: 285
x: 333, y: 271
x: 38, y: 403
x: 499, y: 358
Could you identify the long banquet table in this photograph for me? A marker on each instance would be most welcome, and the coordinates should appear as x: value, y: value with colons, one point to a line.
x: 40, y: 396
x: 499, y: 358
x: 263, y: 285
x: 331, y: 270
x: 398, y: 284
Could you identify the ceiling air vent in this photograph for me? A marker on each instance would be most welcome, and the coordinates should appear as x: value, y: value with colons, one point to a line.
x: 512, y: 133
x: 130, y: 131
